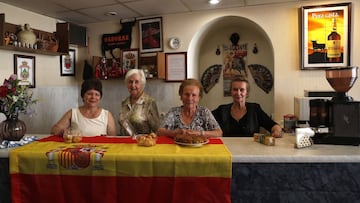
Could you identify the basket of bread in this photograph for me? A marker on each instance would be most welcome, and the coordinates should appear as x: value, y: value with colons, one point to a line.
x: 146, y: 140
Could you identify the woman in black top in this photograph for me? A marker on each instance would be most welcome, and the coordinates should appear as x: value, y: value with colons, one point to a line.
x: 241, y: 118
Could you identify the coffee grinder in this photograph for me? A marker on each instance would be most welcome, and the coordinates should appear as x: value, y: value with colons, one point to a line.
x: 337, y: 121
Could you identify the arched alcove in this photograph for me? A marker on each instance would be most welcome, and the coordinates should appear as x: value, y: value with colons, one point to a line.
x: 216, y: 33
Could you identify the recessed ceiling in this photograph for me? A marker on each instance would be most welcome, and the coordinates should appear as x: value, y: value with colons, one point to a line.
x: 93, y: 11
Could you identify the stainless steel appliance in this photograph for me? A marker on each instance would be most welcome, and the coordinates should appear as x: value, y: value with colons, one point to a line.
x: 337, y: 121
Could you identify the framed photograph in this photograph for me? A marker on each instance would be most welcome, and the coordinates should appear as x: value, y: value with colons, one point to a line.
x: 175, y: 67
x: 325, y: 36
x: 151, y: 38
x: 130, y: 59
x: 24, y: 68
x: 67, y: 64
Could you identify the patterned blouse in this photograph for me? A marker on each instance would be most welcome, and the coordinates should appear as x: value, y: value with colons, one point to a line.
x: 203, y: 120
x: 143, y: 115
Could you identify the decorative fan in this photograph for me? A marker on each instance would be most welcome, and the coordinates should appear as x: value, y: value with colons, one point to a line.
x: 210, y: 77
x: 262, y: 76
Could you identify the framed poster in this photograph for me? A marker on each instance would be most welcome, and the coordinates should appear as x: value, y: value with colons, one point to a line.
x: 24, y: 68
x: 130, y: 59
x: 325, y: 36
x: 175, y: 66
x: 151, y: 39
x: 67, y: 64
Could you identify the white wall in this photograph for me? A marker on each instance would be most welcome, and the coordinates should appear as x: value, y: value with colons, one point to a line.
x: 280, y: 23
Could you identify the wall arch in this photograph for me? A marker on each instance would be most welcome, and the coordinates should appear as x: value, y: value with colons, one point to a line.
x: 201, y: 55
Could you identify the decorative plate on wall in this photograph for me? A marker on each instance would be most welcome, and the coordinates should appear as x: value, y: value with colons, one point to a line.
x: 174, y: 43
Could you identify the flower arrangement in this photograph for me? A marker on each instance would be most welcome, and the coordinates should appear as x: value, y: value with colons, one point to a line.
x: 15, y: 98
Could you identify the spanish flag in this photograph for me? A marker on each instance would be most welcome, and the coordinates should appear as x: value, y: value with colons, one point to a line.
x: 116, y: 170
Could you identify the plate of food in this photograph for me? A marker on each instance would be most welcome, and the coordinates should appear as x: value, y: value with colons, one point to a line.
x: 190, y: 141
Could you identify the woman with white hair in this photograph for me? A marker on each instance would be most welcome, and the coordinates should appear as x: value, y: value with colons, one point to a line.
x: 139, y: 110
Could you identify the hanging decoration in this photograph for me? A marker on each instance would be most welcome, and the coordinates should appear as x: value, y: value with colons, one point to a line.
x: 255, y: 49
x: 218, y: 52
x: 108, y: 68
x: 234, y: 61
x: 262, y: 77
x: 211, y: 76
x: 88, y: 71
x: 120, y: 40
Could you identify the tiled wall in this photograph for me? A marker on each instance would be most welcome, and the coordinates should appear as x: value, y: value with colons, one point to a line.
x: 55, y: 101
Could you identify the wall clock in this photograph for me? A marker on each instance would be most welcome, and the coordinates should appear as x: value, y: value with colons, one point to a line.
x: 174, y: 42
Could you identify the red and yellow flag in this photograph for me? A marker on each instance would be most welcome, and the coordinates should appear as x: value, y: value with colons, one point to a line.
x: 104, y: 169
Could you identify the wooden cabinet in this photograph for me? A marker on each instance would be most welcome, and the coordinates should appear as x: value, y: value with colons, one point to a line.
x: 48, y: 43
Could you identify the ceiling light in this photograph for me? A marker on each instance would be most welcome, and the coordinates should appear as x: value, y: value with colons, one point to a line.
x: 111, y: 13
x: 213, y: 2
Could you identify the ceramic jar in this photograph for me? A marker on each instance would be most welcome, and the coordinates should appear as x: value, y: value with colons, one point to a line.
x: 26, y: 36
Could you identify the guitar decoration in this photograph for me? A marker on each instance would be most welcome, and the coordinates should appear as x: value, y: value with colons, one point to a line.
x: 210, y: 77
x: 262, y: 76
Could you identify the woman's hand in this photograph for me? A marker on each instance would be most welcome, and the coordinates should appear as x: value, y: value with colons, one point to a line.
x: 194, y: 132
x: 276, y: 131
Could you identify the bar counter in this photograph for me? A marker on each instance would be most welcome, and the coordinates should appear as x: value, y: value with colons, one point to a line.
x: 280, y: 173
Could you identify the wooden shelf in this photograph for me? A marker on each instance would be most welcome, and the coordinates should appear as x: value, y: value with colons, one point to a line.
x: 60, y: 35
x: 28, y: 50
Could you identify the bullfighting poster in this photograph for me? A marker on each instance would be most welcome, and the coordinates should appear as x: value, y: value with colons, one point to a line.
x: 234, y: 64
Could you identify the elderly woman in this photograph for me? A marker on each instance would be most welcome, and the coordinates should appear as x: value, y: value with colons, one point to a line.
x: 89, y: 118
x: 241, y: 118
x: 190, y: 118
x: 139, y: 110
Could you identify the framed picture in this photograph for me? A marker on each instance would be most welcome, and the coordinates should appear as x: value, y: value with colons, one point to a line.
x: 130, y: 59
x: 175, y: 67
x: 325, y: 36
x: 149, y: 65
x: 24, y: 68
x: 67, y: 64
x: 151, y: 39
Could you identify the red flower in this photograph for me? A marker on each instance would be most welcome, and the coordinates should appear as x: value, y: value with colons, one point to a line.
x: 3, y: 91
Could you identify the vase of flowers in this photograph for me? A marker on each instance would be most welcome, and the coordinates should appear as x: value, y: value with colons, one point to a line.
x: 14, y: 99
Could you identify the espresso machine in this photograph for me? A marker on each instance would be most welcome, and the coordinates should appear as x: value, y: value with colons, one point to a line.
x: 337, y: 120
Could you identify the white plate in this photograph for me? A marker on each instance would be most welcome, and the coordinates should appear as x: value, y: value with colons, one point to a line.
x: 192, y: 145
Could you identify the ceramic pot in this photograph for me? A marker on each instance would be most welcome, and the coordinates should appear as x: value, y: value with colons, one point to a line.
x: 12, y: 129
x: 26, y: 36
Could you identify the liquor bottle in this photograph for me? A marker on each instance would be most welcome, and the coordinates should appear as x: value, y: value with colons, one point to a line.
x: 334, y: 44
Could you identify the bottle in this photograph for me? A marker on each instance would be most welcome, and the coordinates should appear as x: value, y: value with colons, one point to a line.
x: 334, y: 44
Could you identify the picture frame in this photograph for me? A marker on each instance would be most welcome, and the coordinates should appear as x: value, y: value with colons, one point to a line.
x: 151, y: 35
x: 130, y: 59
x: 325, y: 41
x: 149, y: 65
x: 67, y: 63
x: 175, y: 67
x: 24, y: 68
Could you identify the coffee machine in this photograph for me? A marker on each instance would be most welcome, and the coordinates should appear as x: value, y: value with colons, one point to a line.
x: 337, y: 121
